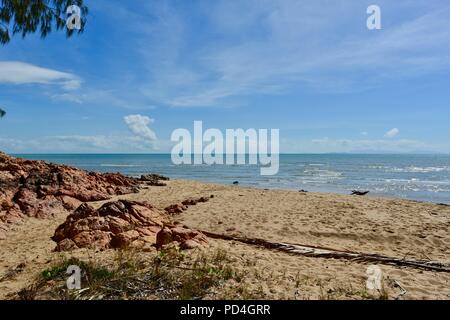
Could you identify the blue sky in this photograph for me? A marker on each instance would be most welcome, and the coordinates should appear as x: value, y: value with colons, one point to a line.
x: 309, y: 68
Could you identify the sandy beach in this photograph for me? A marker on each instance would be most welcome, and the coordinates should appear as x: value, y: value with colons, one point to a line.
x: 391, y: 227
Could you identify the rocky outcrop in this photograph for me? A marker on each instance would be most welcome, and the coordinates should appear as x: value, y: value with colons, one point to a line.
x: 116, y: 224
x: 40, y: 189
x: 123, y: 224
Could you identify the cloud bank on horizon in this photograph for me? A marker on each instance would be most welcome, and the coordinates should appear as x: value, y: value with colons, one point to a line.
x: 310, y: 68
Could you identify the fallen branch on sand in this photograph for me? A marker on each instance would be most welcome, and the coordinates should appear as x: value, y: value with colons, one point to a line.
x: 329, y: 253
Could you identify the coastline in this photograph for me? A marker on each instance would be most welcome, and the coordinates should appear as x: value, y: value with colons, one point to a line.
x: 393, y: 227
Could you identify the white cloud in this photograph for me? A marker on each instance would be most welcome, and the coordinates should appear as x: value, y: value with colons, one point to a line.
x: 139, y: 126
x: 364, y: 133
x: 110, y: 98
x: 392, y: 133
x: 67, y: 97
x: 274, y: 47
x: 14, y: 72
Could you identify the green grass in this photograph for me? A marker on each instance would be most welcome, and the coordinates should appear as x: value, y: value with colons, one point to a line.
x: 169, y: 275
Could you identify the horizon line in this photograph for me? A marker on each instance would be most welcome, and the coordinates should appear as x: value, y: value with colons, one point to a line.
x: 281, y: 153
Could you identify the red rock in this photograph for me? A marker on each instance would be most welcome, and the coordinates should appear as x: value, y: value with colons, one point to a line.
x: 70, y: 203
x: 116, y: 224
x: 66, y: 245
x: 175, y: 209
x: 95, y: 239
x: 123, y: 224
x: 124, y: 239
x: 193, y: 202
x: 164, y: 237
x: 203, y: 199
x: 186, y: 238
x: 189, y: 202
x: 39, y: 189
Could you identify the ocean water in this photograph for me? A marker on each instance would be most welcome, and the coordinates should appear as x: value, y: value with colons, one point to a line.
x: 415, y: 177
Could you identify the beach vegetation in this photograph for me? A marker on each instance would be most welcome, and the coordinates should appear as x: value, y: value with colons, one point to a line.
x: 169, y: 274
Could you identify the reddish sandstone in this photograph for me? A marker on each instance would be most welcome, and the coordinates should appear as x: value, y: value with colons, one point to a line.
x: 42, y: 190
x: 122, y: 224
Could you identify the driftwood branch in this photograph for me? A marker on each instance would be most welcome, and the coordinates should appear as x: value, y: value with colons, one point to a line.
x: 323, y: 252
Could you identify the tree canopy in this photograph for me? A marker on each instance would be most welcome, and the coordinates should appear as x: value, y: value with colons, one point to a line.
x: 30, y: 16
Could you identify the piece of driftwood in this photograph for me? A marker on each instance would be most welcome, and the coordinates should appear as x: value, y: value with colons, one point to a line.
x: 323, y: 252
x: 359, y: 193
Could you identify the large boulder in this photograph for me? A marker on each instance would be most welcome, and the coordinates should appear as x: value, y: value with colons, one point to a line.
x: 117, y: 224
x: 122, y: 224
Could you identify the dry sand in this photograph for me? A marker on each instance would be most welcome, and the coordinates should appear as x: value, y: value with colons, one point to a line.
x: 397, y: 228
